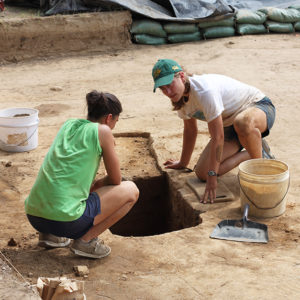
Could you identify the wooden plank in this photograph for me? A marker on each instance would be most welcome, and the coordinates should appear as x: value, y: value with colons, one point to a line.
x: 198, y: 187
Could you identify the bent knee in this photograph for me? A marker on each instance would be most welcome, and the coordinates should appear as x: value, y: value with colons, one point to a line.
x: 200, y: 174
x: 246, y: 121
x: 242, y: 126
x: 131, y: 191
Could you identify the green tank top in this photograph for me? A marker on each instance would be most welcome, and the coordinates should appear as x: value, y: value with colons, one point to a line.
x: 67, y: 173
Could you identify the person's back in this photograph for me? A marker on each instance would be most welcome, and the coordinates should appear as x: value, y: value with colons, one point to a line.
x: 217, y: 94
x: 64, y: 202
x: 238, y: 118
x: 67, y: 173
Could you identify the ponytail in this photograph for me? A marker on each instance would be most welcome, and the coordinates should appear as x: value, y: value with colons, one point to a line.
x: 102, y: 104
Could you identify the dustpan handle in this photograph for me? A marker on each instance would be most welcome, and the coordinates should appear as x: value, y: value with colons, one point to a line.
x: 245, y: 214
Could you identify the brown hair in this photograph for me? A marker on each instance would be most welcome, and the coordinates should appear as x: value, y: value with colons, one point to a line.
x: 178, y: 105
x: 102, y: 104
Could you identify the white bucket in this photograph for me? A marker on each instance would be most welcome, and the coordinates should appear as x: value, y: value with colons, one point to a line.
x: 18, y: 129
x: 264, y: 184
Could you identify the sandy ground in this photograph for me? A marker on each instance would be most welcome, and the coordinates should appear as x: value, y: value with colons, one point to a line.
x: 184, y: 264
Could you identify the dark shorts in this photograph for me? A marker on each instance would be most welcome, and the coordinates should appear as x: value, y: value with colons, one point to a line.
x: 73, y: 229
x: 267, y: 107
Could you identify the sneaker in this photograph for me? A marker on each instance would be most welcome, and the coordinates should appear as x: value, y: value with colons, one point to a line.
x: 266, y: 152
x: 48, y: 240
x: 95, y: 248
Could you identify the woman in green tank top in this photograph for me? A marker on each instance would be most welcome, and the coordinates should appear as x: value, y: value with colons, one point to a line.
x: 65, y: 201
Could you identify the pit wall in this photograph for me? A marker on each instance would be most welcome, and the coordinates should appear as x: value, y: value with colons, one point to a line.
x: 182, y: 204
x: 40, y: 37
x: 165, y: 204
x: 185, y: 207
x: 151, y: 214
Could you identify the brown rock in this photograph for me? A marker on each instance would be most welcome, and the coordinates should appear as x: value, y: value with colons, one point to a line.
x: 81, y: 270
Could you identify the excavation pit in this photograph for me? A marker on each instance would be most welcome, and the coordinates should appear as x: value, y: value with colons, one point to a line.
x: 160, y: 207
x: 151, y: 213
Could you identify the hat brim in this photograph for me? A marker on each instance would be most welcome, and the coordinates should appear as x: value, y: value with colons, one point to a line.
x: 163, y: 81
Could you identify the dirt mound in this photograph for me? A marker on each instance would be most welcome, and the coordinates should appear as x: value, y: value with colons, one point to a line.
x: 60, y: 35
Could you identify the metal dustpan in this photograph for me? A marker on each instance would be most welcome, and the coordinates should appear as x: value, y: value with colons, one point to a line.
x: 241, y: 230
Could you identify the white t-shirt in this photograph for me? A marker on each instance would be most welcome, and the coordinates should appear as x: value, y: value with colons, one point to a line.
x: 212, y: 95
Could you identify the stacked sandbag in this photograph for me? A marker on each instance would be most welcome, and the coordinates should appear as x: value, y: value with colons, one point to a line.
x: 296, y: 24
x: 147, y: 31
x: 217, y: 29
x: 250, y: 22
x: 182, y: 32
x: 281, y: 20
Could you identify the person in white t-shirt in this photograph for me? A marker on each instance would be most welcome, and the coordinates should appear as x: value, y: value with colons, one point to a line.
x: 238, y: 117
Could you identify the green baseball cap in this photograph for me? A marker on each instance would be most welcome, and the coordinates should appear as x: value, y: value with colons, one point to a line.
x: 163, y: 72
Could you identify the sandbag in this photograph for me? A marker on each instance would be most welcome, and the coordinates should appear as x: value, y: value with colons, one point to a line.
x: 297, y: 26
x: 149, y: 39
x: 147, y: 26
x: 279, y: 27
x: 180, y: 27
x: 224, y: 22
x: 243, y: 29
x: 184, y: 37
x: 295, y: 7
x: 281, y: 15
x: 218, y: 31
x: 246, y: 16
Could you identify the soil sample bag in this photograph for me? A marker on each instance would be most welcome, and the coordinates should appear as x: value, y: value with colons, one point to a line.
x: 148, y: 39
x: 147, y: 26
x: 279, y: 27
x: 171, y: 28
x: 281, y: 15
x: 184, y: 37
x: 246, y: 16
x: 218, y: 31
x: 243, y: 29
x: 224, y: 22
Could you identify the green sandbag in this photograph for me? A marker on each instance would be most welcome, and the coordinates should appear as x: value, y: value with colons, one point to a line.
x: 297, y: 26
x: 184, y: 37
x: 147, y: 26
x: 219, y: 31
x: 295, y: 7
x: 180, y: 28
x: 224, y: 22
x: 149, y: 39
x: 250, y: 29
x: 281, y: 15
x: 279, y: 27
x: 246, y: 16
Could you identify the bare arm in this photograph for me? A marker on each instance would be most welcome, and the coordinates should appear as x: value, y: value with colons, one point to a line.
x: 216, y: 131
x: 189, y: 139
x: 110, y: 159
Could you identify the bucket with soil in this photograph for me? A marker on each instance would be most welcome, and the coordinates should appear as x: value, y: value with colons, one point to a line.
x: 18, y: 129
x: 264, y: 184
